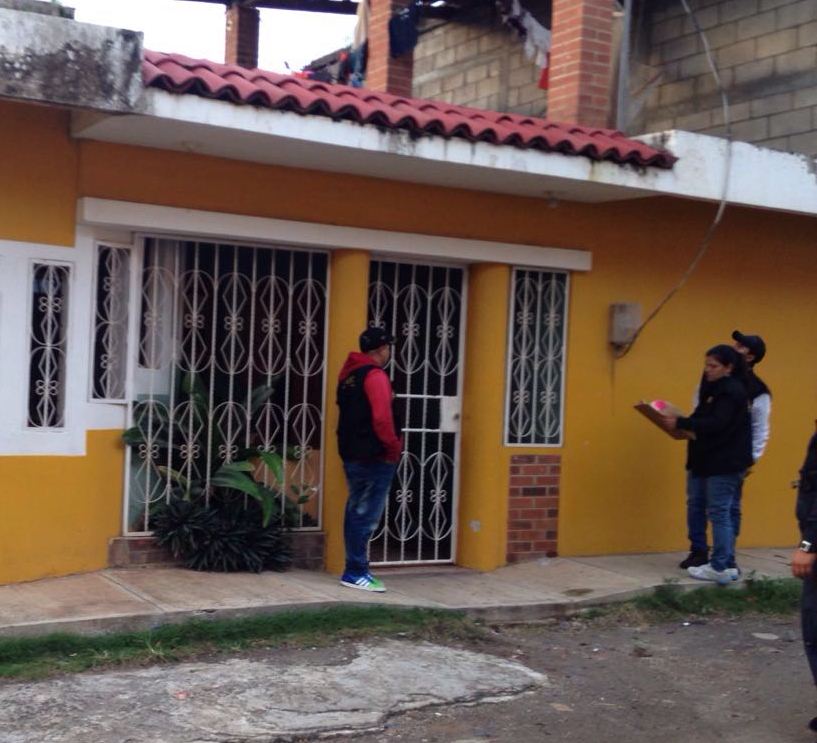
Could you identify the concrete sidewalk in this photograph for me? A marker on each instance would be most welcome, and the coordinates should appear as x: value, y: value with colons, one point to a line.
x: 140, y: 598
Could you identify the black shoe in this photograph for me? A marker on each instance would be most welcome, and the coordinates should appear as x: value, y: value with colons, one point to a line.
x: 813, y: 724
x: 694, y: 559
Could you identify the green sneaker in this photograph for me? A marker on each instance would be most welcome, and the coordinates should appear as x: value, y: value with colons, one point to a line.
x: 364, y: 583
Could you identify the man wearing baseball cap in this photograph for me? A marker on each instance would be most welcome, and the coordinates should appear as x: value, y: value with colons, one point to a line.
x: 370, y: 448
x: 753, y: 349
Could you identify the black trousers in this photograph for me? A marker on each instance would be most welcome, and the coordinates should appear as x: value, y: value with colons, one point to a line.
x: 808, y: 619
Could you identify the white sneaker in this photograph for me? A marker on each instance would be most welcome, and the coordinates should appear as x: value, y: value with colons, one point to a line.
x: 707, y: 572
x: 733, y: 573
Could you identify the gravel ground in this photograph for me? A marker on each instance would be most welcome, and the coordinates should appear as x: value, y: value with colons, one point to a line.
x: 720, y: 679
x: 613, y: 678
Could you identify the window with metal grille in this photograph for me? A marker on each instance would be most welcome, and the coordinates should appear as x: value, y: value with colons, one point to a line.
x: 47, y: 350
x: 230, y: 357
x: 110, y: 341
x: 536, y: 353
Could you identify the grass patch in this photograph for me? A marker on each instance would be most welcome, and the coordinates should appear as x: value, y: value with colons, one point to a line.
x: 31, y: 658
x: 763, y: 596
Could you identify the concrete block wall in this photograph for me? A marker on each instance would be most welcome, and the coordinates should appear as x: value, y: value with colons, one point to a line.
x: 766, y: 52
x: 476, y: 61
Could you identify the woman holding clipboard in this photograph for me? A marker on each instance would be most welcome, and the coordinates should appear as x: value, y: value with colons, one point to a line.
x: 717, y: 458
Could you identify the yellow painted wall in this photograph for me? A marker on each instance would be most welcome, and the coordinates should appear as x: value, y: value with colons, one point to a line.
x: 622, y: 480
x: 348, y: 291
x: 38, y: 175
x: 483, y: 517
x: 58, y: 513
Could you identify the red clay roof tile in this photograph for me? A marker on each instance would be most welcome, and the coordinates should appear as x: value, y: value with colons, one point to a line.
x: 179, y: 74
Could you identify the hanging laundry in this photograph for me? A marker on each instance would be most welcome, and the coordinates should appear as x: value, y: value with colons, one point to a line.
x: 535, y: 36
x: 544, y: 75
x: 355, y: 72
x: 361, y: 32
x: 357, y: 65
x: 403, y: 31
x: 510, y: 11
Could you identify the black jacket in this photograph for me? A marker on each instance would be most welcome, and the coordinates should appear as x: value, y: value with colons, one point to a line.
x: 723, y: 430
x: 755, y: 386
x: 807, y: 494
x: 357, y: 440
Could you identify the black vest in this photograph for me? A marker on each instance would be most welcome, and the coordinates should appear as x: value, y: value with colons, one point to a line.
x: 357, y: 440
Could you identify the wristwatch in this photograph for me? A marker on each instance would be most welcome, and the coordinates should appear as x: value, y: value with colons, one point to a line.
x: 806, y: 546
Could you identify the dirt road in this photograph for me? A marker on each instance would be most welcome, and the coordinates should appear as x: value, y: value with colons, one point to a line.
x: 614, y: 678
x: 720, y: 680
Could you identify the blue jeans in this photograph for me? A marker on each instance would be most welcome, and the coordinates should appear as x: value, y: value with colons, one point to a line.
x: 808, y: 619
x: 369, y: 484
x: 735, y: 513
x: 713, y: 499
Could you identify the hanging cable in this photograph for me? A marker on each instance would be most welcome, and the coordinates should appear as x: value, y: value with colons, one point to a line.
x: 707, y: 239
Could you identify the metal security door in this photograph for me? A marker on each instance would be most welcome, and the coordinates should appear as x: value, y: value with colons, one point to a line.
x: 423, y: 307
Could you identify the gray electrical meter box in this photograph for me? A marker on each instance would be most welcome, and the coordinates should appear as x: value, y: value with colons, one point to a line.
x: 625, y: 319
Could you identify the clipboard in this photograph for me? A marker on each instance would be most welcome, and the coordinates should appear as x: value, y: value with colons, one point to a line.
x: 655, y: 410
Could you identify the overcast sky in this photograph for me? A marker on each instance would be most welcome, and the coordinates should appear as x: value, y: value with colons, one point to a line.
x: 197, y: 29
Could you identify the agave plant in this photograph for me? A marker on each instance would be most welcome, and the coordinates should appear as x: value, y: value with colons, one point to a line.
x: 222, y: 536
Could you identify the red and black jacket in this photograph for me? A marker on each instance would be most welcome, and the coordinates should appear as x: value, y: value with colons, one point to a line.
x: 366, y: 427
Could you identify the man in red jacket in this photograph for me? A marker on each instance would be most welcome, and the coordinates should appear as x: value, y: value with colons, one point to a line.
x: 369, y: 447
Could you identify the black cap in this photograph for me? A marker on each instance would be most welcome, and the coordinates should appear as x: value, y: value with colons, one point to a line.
x: 754, y: 343
x: 372, y: 338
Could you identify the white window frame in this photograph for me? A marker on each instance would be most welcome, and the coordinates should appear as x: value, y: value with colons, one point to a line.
x: 509, y: 362
x: 17, y: 437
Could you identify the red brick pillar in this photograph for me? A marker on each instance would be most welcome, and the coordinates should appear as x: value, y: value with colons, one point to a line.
x: 241, y: 45
x: 383, y: 72
x: 533, y: 507
x: 580, y: 62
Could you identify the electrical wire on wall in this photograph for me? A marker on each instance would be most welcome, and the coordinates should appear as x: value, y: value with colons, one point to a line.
x: 623, y: 350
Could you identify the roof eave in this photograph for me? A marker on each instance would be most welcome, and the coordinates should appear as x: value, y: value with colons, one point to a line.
x: 759, y: 178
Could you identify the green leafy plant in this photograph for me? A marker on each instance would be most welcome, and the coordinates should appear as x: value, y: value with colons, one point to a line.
x: 229, y: 517
x: 223, y: 536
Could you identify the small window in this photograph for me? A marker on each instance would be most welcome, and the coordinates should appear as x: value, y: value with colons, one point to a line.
x: 110, y: 342
x: 49, y: 326
x: 158, y: 312
x: 535, y: 380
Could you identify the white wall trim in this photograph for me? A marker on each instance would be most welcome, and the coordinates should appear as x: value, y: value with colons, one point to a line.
x: 176, y: 221
x: 16, y: 437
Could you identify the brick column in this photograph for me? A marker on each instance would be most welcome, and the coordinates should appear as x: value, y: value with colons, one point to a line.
x: 383, y: 72
x: 533, y: 506
x: 241, y: 25
x: 580, y: 62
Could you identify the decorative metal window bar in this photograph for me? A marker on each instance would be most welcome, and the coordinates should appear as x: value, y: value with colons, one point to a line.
x: 111, y: 310
x: 49, y: 336
x: 422, y: 307
x: 231, y: 357
x: 535, y: 394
